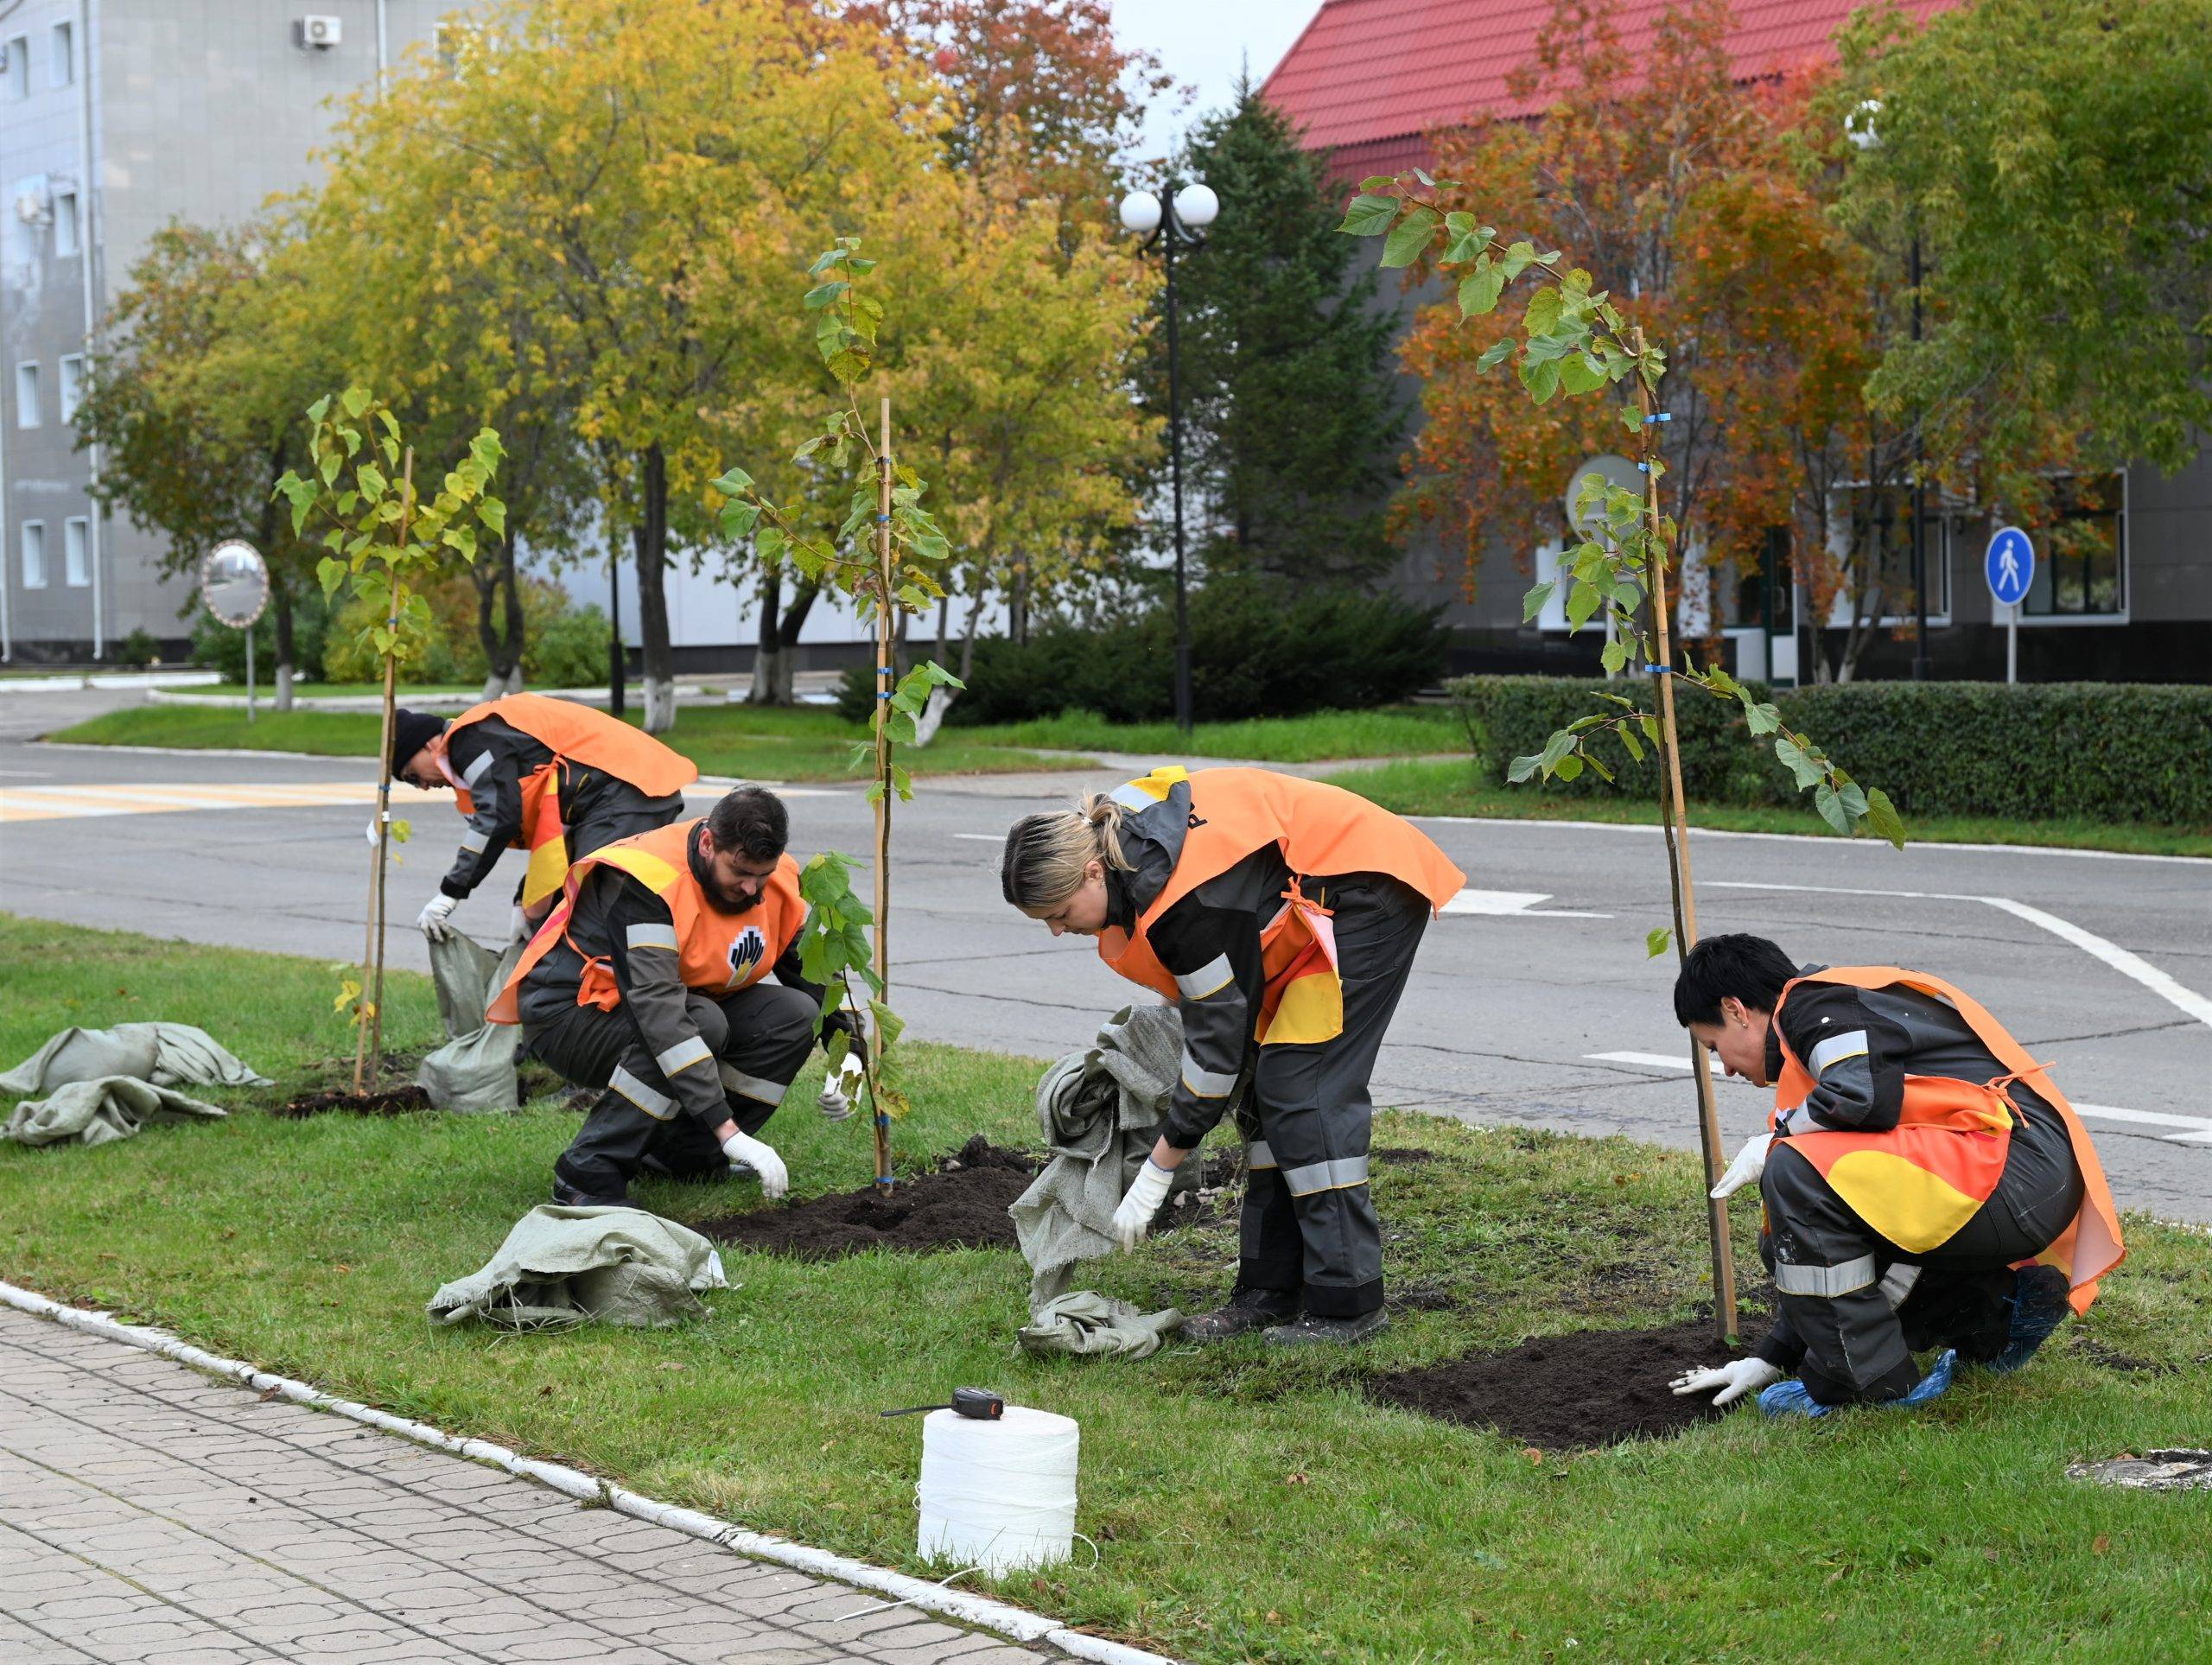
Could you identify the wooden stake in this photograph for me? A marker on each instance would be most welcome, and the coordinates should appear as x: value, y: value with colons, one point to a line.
x: 1676, y: 820
x: 373, y: 981
x: 883, y: 684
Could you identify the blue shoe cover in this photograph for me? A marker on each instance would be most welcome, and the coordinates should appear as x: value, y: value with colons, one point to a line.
x: 2039, y: 1306
x: 1790, y: 1398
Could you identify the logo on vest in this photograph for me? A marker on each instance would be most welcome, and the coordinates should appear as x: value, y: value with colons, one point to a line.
x: 746, y: 949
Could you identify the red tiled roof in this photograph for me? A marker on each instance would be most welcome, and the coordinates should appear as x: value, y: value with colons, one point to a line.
x: 1370, y: 77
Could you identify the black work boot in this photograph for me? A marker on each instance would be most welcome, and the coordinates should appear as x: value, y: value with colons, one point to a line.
x: 1341, y: 1332
x: 567, y: 1196
x: 1248, y: 1310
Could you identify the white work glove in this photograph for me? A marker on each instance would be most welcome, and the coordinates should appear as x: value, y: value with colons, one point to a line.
x: 1750, y: 1163
x: 518, y: 925
x: 1134, y: 1218
x: 838, y: 1088
x: 435, y: 913
x: 1734, y: 1379
x: 743, y: 1147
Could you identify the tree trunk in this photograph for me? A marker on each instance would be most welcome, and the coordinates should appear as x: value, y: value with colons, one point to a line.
x: 651, y: 534
x: 767, y: 647
x: 517, y: 626
x: 280, y: 610
x: 794, y: 620
x: 1017, y: 603
x: 967, y: 637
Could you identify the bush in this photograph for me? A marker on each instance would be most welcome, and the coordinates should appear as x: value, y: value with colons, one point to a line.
x: 1257, y: 650
x: 349, y: 657
x: 2097, y: 751
x: 222, y: 649
x: 567, y: 650
x: 138, y: 648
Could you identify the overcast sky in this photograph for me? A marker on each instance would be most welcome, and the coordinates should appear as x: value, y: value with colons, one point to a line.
x: 1204, y: 43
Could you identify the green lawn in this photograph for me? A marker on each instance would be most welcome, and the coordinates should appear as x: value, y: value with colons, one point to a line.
x: 1245, y: 1506
x: 1417, y: 787
x: 807, y: 743
x: 1318, y: 737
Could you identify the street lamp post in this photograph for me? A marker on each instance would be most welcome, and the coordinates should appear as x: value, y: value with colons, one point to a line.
x: 1176, y: 223
x: 1859, y: 128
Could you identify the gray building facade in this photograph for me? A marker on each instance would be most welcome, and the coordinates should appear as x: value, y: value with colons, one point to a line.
x: 116, y: 118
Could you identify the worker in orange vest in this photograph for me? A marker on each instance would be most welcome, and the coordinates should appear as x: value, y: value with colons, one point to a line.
x: 1926, y: 1185
x: 554, y: 777
x: 1280, y: 915
x: 647, y: 981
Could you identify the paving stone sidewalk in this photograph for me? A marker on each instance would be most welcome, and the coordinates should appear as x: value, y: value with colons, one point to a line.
x: 149, y: 1514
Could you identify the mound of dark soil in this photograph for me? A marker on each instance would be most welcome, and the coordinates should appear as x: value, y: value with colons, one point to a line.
x: 1593, y: 1387
x: 963, y: 1205
x: 390, y: 1101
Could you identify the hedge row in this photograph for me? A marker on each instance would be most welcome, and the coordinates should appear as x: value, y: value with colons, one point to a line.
x: 1258, y: 649
x: 2118, y: 752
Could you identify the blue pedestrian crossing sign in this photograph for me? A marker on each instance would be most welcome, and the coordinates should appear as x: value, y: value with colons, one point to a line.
x: 2010, y: 566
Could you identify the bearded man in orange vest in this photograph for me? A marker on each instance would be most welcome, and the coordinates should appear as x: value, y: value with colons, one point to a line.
x: 1926, y: 1185
x: 1281, y: 916
x: 648, y: 981
x: 551, y: 776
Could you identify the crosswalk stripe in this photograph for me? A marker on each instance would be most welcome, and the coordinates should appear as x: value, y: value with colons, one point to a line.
x: 23, y: 803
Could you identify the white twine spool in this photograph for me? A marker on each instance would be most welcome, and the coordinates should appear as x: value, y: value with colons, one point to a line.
x: 1000, y: 1495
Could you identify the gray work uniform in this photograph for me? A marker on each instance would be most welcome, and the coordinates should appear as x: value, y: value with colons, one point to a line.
x: 493, y: 758
x: 1853, y: 1307
x: 1309, y: 1236
x: 676, y: 1063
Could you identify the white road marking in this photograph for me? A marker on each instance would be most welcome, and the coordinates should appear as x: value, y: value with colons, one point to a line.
x: 1513, y: 904
x: 62, y: 803
x: 1652, y: 829
x: 2197, y: 1129
x: 2128, y: 965
x: 983, y: 838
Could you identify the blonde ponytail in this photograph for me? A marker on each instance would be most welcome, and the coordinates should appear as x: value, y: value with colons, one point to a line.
x: 1046, y: 853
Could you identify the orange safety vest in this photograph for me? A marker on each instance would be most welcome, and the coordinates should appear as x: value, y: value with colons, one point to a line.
x: 1321, y: 830
x: 1919, y: 1182
x: 576, y: 733
x: 719, y: 951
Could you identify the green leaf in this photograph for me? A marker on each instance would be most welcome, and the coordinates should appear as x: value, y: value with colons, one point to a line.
x: 1496, y: 354
x: 493, y: 513
x: 1379, y: 182
x: 331, y: 572
x: 1579, y: 373
x: 1629, y: 744
x: 824, y: 295
x: 738, y: 519
x: 1518, y: 258
x: 357, y: 400
x: 1568, y: 767
x: 1585, y: 601
x: 1800, y: 767
x: 1561, y: 743
x: 1883, y: 815
x: 1370, y: 215
x: 1541, y: 379
x: 1409, y: 237
x: 1521, y: 769
x: 1763, y: 719
x: 1655, y: 940
x: 1533, y: 603
x: 1542, y: 313
x: 1632, y: 420
x: 735, y: 482
x: 1478, y: 292
x: 1615, y: 656
x: 1831, y: 808
x: 889, y: 1025
x: 902, y: 782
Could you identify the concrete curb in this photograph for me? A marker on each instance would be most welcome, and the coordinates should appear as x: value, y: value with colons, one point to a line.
x: 1017, y: 1622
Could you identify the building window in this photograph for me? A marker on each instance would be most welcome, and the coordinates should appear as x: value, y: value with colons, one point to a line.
x: 77, y: 551
x: 33, y: 554
x: 15, y: 78
x: 71, y: 387
x: 2081, y: 556
x: 63, y: 69
x: 27, y: 395
x: 65, y: 223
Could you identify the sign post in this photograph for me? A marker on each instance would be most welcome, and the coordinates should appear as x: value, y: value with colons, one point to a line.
x: 2009, y: 567
x: 234, y: 584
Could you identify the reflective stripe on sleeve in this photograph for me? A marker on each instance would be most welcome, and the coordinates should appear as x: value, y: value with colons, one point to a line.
x: 474, y: 841
x: 1207, y: 980
x: 1898, y: 1281
x: 1835, y: 1049
x: 650, y: 935
x: 474, y: 771
x: 1133, y: 798
x: 683, y: 1056
x: 1826, y: 1281
x: 753, y: 1087
x: 657, y: 1105
x: 1205, y: 1084
x: 1257, y: 1155
x: 1341, y: 1174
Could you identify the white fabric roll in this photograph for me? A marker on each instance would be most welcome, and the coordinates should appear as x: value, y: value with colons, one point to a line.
x: 998, y: 1495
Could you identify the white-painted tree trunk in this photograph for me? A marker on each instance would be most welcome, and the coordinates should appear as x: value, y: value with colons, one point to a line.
x: 660, y: 704
x: 284, y: 688
x: 933, y: 717
x: 498, y: 686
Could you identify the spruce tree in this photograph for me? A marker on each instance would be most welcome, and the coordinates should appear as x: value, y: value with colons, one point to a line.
x: 1290, y: 417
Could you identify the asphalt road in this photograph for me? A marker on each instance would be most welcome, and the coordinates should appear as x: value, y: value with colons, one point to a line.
x: 2101, y: 964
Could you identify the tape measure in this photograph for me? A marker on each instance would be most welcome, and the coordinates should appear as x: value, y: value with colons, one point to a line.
x: 976, y: 1404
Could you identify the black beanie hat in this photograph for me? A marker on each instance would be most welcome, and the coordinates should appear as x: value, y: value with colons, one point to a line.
x: 411, y: 732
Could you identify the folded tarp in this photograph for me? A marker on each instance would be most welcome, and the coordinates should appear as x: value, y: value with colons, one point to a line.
x: 100, y: 1111
x: 161, y: 1054
x: 562, y: 1267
